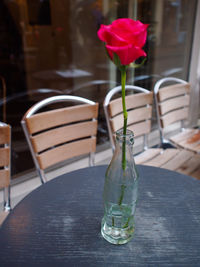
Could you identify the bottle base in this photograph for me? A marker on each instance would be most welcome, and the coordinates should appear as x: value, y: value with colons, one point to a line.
x: 117, y: 236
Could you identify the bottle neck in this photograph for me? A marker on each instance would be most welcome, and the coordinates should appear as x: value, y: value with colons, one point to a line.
x: 124, y: 147
x: 128, y: 138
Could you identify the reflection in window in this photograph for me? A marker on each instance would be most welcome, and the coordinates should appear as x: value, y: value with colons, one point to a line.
x: 39, y: 12
x: 47, y: 43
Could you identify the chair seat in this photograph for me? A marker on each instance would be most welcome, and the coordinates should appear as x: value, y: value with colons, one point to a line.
x: 156, y: 157
x: 188, y: 139
x: 183, y: 161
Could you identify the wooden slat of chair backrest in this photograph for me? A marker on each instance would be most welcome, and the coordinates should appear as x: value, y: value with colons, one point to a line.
x: 5, y: 135
x: 174, y: 116
x: 141, y: 128
x: 139, y: 108
x: 173, y: 91
x: 4, y: 156
x: 5, y: 178
x: 54, y: 137
x: 174, y: 103
x: 55, y: 140
x: 132, y: 101
x: 66, y: 151
x: 53, y: 118
x: 134, y: 116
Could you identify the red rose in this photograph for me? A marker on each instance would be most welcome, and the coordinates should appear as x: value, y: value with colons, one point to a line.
x: 125, y: 37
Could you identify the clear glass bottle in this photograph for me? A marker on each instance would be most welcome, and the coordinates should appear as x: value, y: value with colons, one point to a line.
x: 120, y: 192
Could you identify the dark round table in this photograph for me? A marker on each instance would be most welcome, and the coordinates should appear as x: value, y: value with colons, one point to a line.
x: 58, y: 224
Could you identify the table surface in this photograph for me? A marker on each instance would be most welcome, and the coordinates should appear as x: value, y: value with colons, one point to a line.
x: 58, y: 224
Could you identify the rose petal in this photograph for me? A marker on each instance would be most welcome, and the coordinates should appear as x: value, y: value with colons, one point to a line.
x: 106, y: 35
x: 131, y: 31
x: 141, y: 37
x: 127, y: 54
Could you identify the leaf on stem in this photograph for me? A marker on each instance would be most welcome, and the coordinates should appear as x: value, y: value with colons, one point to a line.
x: 135, y: 66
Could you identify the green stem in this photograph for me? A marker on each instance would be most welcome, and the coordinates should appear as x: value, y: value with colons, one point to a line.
x: 123, y: 187
x: 113, y: 221
x: 125, y: 114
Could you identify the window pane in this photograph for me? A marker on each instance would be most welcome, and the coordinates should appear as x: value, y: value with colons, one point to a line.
x: 51, y: 47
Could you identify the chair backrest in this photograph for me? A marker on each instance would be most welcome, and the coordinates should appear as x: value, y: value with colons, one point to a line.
x: 62, y: 133
x: 139, y: 108
x: 172, y: 102
x: 5, y: 162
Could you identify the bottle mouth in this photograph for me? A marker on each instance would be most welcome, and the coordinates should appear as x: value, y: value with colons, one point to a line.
x: 129, y: 136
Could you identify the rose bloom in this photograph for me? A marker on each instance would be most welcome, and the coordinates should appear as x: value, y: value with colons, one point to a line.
x: 125, y: 37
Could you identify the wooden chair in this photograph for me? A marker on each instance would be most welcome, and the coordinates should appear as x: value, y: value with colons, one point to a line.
x: 56, y: 135
x: 172, y: 99
x: 139, y: 108
x: 5, y: 167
